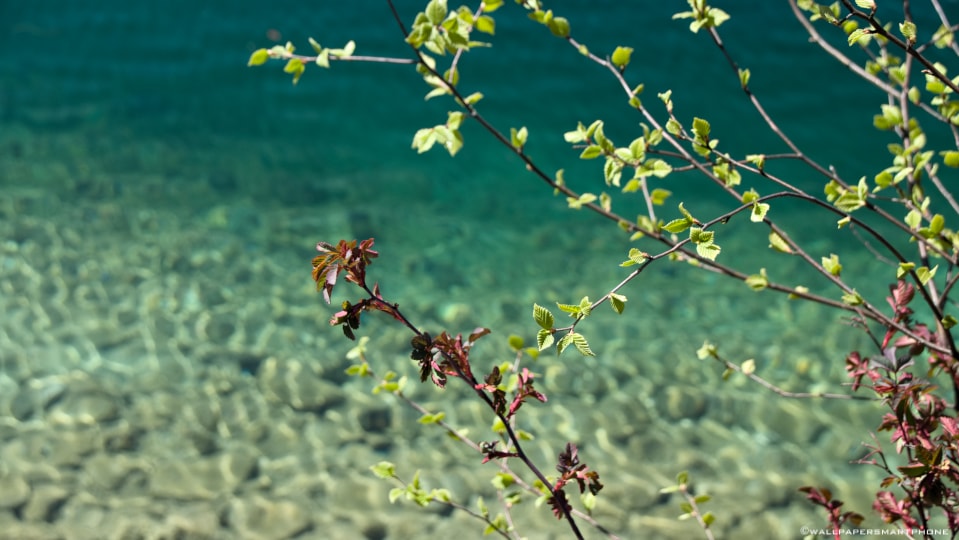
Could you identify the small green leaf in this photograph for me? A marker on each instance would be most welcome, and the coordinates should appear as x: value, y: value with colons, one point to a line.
x: 515, y: 342
x: 673, y: 127
x: 436, y: 11
x: 635, y: 257
x: 432, y: 418
x: 925, y: 274
x: 543, y: 317
x: 589, y: 500
x: 591, y: 152
x: 559, y: 27
x: 701, y: 129
x: 618, y: 302
x: 577, y: 340
x: 857, y: 35
x: 473, y: 98
x: 950, y: 158
x: 744, y: 77
x: 904, y: 268
x: 259, y: 57
x: 295, y: 67
x: 748, y: 367
x: 544, y: 339
x: 759, y: 212
x: 577, y: 203
x: 778, y: 243
x: 323, y: 58
x: 852, y: 299
x: 485, y: 24
x: 706, y: 351
x: 759, y: 160
x: 677, y: 226
x: 758, y: 282
x: 518, y: 137
x: 396, y: 493
x: 659, y: 195
x: 621, y: 56
x: 832, y: 265
x: 384, y: 469
x: 708, y: 250
x: 949, y: 321
x: 914, y: 471
x: 481, y: 504
x: 503, y: 480
x: 908, y: 30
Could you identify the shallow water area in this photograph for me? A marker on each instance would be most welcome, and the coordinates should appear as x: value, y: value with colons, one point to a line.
x: 167, y: 368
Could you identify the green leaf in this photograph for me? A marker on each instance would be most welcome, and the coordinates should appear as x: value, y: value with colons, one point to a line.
x: 707, y: 350
x: 384, y: 469
x: 915, y: 470
x: 904, y: 268
x: 295, y: 67
x: 559, y: 26
x: 708, y: 250
x: 591, y: 152
x: 658, y: 196
x: 481, y: 504
x: 852, y: 299
x: 677, y: 226
x: 515, y: 342
x: 832, y: 265
x: 701, y: 129
x: 544, y: 338
x: 259, y: 57
x: 543, y: 317
x: 432, y: 418
x: 908, y: 30
x: 436, y: 11
x: 473, y: 98
x: 503, y: 480
x: 577, y: 340
x: 674, y: 127
x: 857, y: 35
x: 621, y: 56
x: 778, y: 243
x: 490, y: 6
x: 518, y: 137
x: 949, y: 321
x: 635, y: 257
x: 925, y: 274
x: 618, y: 302
x: 744, y: 77
x: 589, y: 500
x: 396, y: 493
x: 699, y: 236
x: 950, y: 158
x: 759, y: 212
x: 485, y: 24
x: 759, y: 160
x: 758, y: 282
x: 577, y: 203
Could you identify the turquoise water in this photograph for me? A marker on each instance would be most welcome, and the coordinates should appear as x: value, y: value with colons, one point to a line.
x: 160, y: 206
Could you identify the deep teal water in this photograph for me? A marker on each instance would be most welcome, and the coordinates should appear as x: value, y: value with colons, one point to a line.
x: 157, y: 88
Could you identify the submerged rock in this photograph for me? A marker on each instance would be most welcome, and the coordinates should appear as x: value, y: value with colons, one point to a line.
x: 257, y: 517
